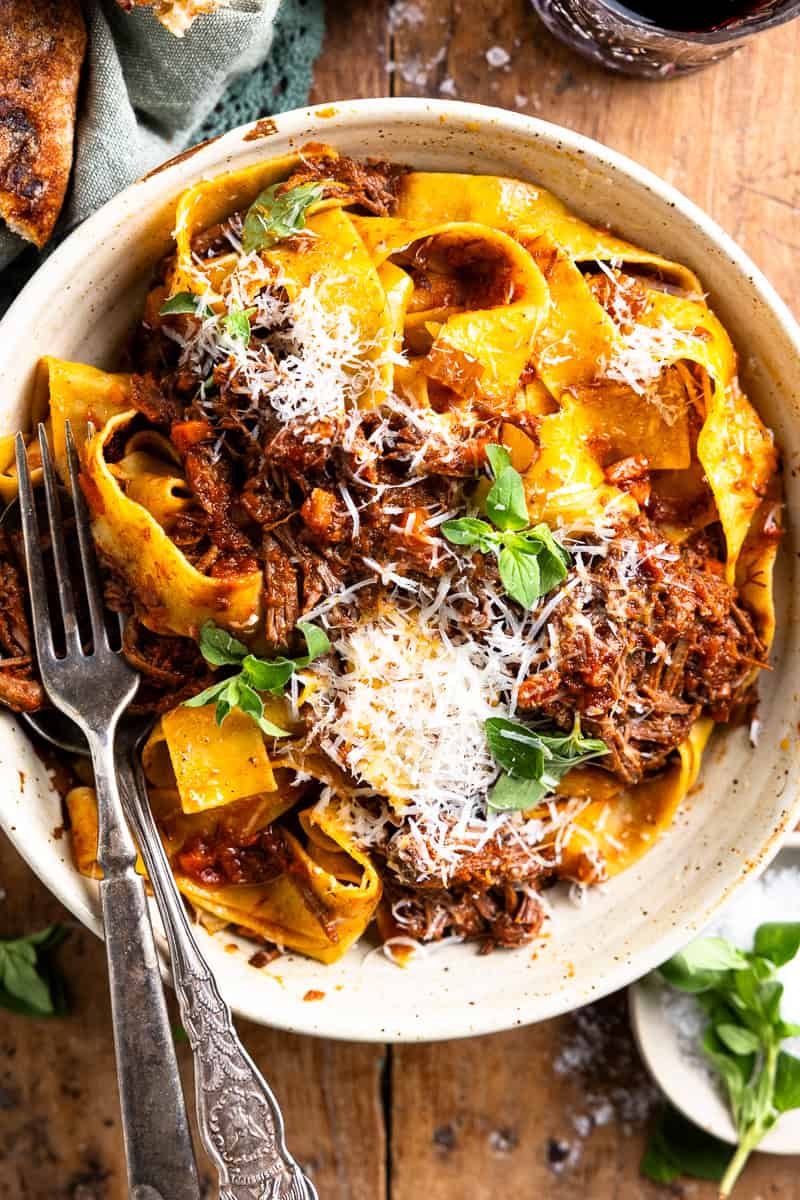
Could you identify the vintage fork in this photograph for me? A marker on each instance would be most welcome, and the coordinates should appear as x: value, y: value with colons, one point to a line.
x: 94, y: 689
x: 239, y: 1119
x: 240, y: 1122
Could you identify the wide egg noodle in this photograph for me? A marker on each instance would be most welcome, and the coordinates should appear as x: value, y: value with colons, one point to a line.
x: 212, y: 764
x: 174, y: 597
x: 210, y: 202
x: 480, y: 352
x: 81, y: 395
x: 611, y: 833
x: 566, y: 483
x: 527, y: 211
x: 308, y: 908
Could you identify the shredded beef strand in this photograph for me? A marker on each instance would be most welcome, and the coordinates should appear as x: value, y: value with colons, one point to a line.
x: 20, y: 689
x: 660, y: 639
x: 498, y: 915
x: 372, y: 185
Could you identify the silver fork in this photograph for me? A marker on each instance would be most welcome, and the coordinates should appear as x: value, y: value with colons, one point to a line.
x: 239, y: 1119
x: 94, y: 689
x: 240, y: 1122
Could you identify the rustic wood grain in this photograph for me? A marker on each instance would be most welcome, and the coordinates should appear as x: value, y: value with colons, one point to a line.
x: 59, y: 1117
x: 494, y: 1116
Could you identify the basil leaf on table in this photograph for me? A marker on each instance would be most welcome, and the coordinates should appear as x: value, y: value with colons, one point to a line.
x: 676, y: 1147
x: 30, y: 981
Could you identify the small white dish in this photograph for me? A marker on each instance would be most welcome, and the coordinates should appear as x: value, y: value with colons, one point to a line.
x: 686, y: 1084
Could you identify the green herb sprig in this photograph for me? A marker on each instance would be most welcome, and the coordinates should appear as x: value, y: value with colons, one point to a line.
x: 185, y: 302
x: 254, y: 675
x: 530, y: 559
x: 741, y: 996
x: 30, y: 981
x: 534, y: 762
x: 274, y: 216
x: 235, y: 322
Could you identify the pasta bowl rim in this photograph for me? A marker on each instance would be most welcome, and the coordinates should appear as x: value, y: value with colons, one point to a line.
x: 452, y: 995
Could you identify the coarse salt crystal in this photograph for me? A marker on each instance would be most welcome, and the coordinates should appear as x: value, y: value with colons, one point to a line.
x: 496, y: 56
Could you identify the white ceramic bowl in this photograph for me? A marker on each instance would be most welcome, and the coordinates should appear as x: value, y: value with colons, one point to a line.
x: 81, y: 304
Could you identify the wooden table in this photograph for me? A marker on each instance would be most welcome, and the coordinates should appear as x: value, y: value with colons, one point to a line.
x: 496, y: 1116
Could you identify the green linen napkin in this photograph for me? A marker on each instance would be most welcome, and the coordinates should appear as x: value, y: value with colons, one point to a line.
x: 146, y: 94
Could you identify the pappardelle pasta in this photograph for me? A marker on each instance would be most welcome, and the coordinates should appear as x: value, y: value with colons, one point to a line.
x: 445, y: 534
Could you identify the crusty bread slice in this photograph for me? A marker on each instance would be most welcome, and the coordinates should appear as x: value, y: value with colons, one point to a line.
x: 42, y: 44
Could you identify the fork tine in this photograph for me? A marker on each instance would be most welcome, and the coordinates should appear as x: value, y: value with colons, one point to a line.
x: 34, y: 563
x: 65, y: 593
x: 88, y: 561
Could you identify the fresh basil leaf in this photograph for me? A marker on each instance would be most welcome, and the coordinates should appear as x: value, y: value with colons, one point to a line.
x: 676, y: 1147
x: 317, y: 643
x: 268, y: 676
x: 499, y: 459
x: 20, y: 979
x: 236, y: 324
x: 520, y: 576
x: 515, y: 747
x: 466, y: 531
x: 770, y: 995
x: 714, y: 954
x: 735, y: 1069
x: 552, y: 571
x: 270, y: 729
x: 30, y: 982
x: 218, y: 647
x: 228, y: 698
x: 778, y: 941
x: 787, y: 1083
x: 512, y: 794
x: 206, y: 696
x: 505, y: 503
x: 688, y: 979
x: 251, y: 703
x: 249, y: 700
x: 738, y: 1039
x: 272, y: 217
x: 545, y: 535
x: 185, y: 302
x: 786, y: 1029
x: 573, y: 745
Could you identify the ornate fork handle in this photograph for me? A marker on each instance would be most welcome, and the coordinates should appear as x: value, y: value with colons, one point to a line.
x: 240, y: 1123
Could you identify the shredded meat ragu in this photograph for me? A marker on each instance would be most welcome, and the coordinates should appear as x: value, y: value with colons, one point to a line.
x: 372, y: 184
x: 19, y: 688
x: 499, y: 915
x: 660, y: 638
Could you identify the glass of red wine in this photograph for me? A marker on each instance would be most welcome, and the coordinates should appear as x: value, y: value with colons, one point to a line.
x: 659, y: 39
